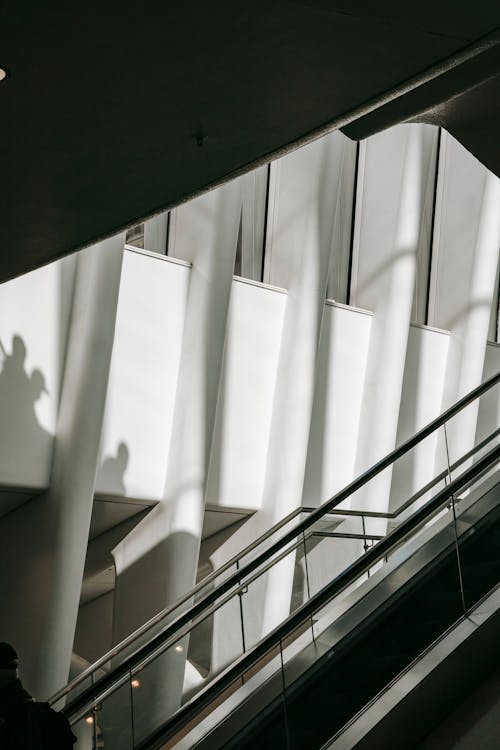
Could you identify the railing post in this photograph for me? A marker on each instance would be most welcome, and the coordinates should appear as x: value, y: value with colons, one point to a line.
x: 285, y: 708
x: 457, y: 549
x: 94, y: 717
x: 307, y: 581
x: 365, y: 544
x: 94, y: 728
x: 240, y: 597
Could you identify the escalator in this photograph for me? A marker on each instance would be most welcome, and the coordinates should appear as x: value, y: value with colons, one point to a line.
x: 411, y: 575
x: 347, y: 677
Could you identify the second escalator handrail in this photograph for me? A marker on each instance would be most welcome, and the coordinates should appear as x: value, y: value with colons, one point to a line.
x: 259, y: 559
x: 346, y: 578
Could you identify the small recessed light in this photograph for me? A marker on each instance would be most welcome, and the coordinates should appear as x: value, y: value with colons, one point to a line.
x: 3, y: 74
x: 179, y: 649
x: 135, y: 683
x: 89, y: 719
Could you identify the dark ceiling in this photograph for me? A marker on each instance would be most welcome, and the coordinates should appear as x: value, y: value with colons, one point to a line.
x: 105, y: 104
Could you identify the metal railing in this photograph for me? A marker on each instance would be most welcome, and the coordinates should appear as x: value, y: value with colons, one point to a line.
x: 276, y: 639
x: 261, y: 561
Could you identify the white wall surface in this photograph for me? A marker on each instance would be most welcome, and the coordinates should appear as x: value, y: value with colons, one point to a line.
x: 246, y: 396
x: 34, y: 312
x: 45, y: 541
x: 337, y: 402
x: 143, y: 376
x: 489, y: 407
x: 463, y: 222
x: 390, y: 216
x: 465, y: 253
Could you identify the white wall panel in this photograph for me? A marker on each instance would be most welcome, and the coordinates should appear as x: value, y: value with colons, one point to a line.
x: 143, y: 377
x: 393, y: 207
x: 246, y: 396
x: 337, y: 403
x: 34, y: 311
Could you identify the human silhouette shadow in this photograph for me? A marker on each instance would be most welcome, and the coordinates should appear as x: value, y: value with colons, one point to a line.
x: 110, y: 478
x: 25, y: 446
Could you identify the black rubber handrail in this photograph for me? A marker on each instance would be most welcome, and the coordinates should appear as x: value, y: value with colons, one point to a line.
x: 88, y: 696
x: 348, y: 576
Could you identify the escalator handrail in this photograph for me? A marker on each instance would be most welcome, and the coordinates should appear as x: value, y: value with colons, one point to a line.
x: 346, y: 578
x: 258, y: 560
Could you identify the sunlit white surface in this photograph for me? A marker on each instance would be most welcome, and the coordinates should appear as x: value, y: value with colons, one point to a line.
x: 246, y: 396
x: 143, y: 377
x: 337, y: 406
x: 387, y: 238
x: 467, y: 241
x: 33, y: 323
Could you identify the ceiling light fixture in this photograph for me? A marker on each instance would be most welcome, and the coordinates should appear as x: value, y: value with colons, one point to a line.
x: 3, y: 74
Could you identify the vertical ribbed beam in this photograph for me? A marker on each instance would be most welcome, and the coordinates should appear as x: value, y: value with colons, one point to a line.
x: 76, y: 449
x: 50, y: 534
x: 388, y: 229
x: 156, y: 233
x: 299, y: 252
x: 253, y: 222
x: 163, y: 550
x: 465, y: 254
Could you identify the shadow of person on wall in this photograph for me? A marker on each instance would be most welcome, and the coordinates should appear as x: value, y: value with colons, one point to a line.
x: 13, y: 374
x: 25, y: 446
x: 110, y: 478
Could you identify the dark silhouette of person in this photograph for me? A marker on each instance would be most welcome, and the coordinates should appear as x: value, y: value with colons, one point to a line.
x: 12, y: 693
x: 112, y: 471
x: 26, y: 724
